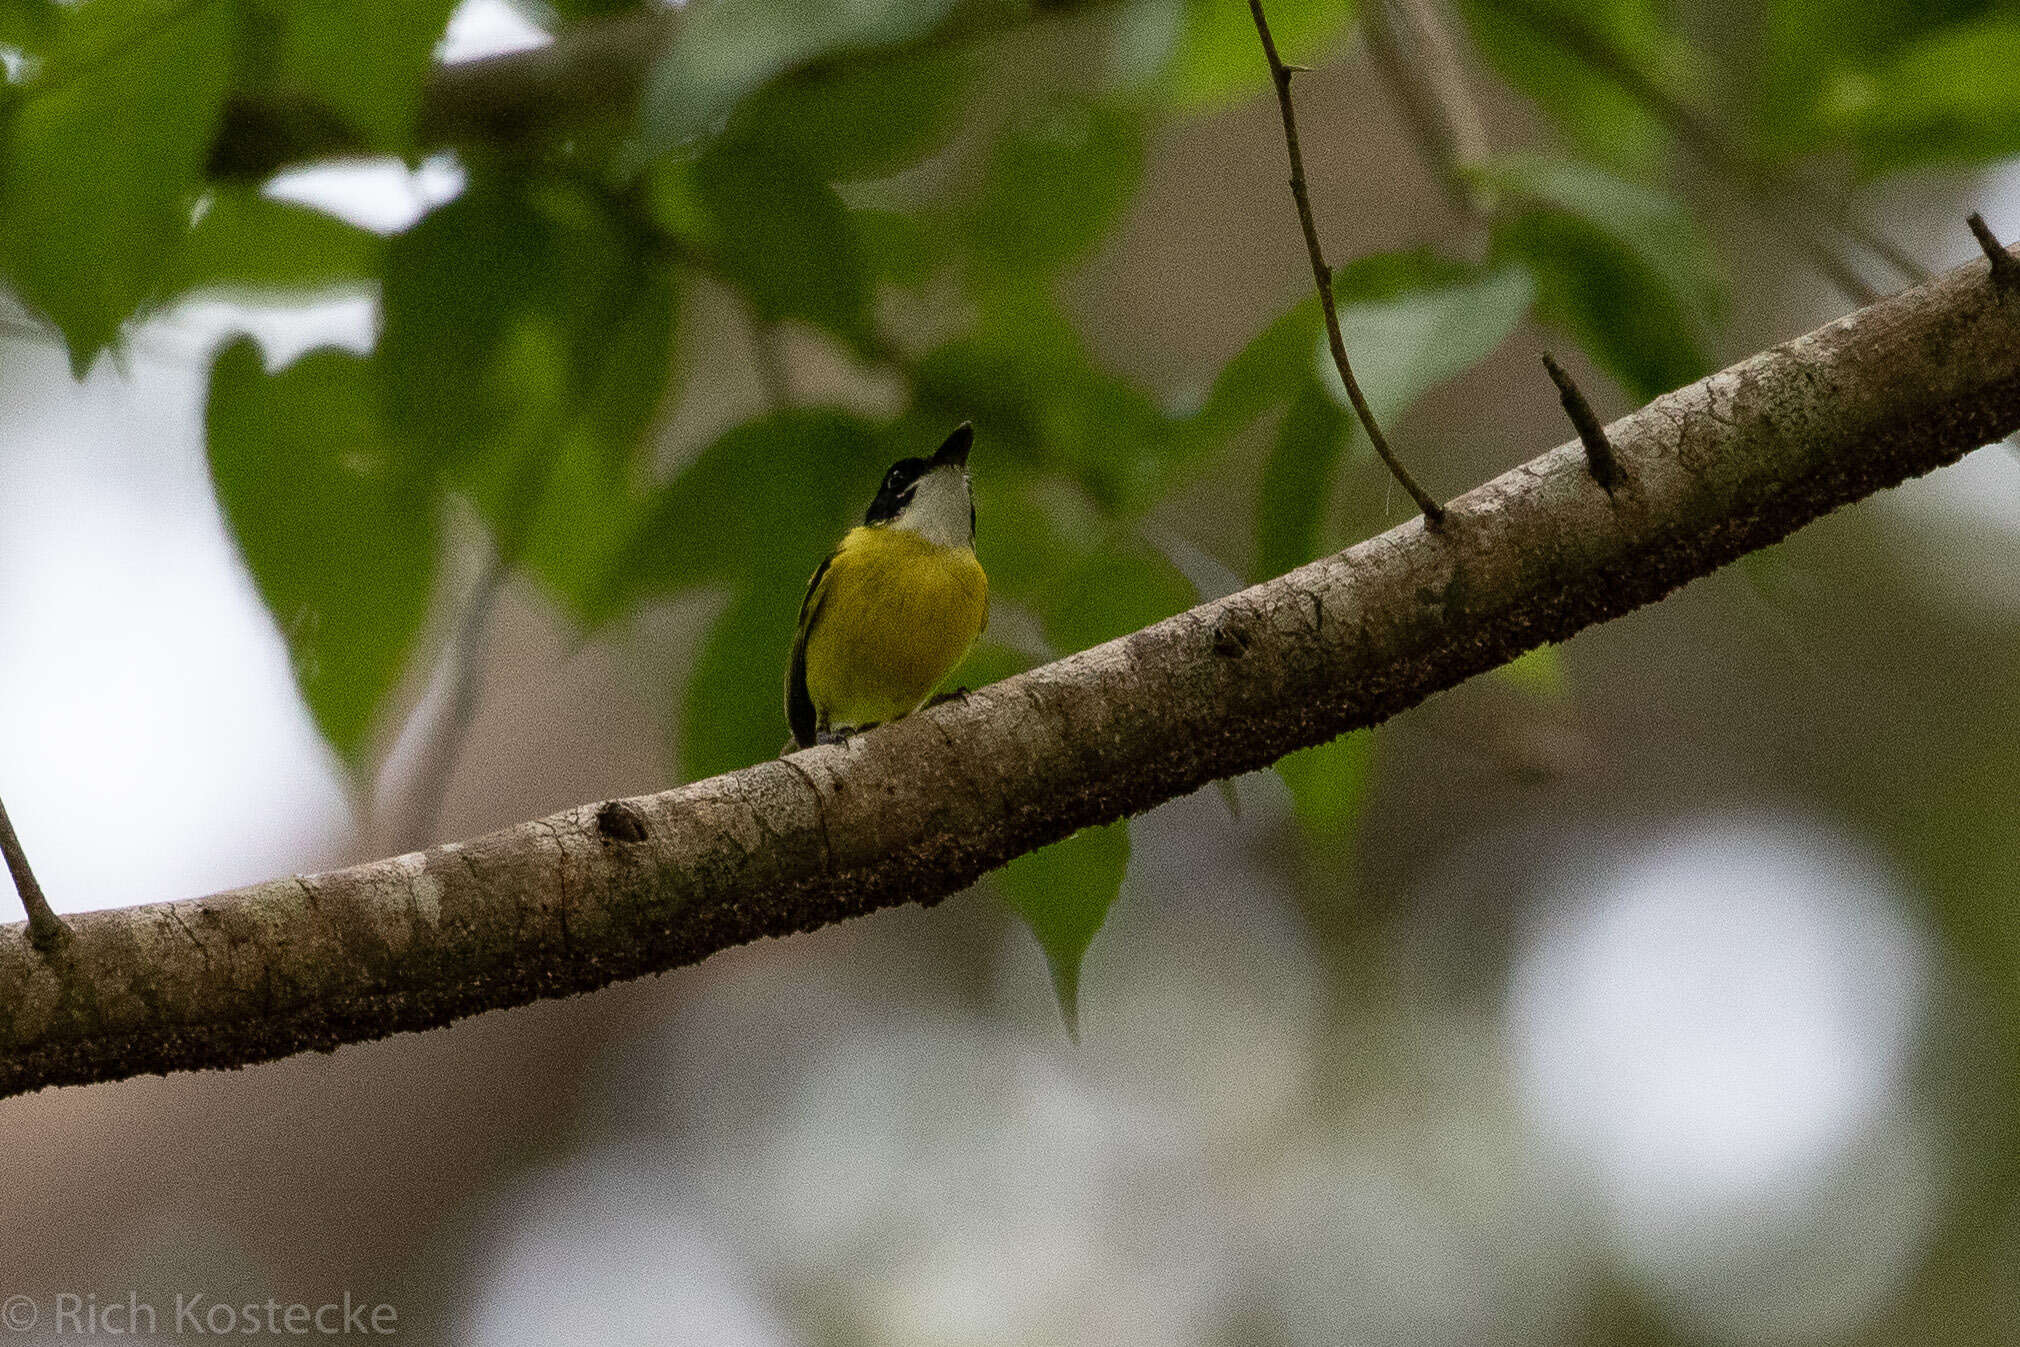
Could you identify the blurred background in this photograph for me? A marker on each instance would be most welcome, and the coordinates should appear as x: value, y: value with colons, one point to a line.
x: 1663, y: 988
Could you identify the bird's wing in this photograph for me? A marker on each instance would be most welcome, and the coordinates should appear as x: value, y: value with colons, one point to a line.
x: 800, y: 713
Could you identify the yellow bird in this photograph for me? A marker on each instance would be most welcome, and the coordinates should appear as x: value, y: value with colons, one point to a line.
x: 895, y: 607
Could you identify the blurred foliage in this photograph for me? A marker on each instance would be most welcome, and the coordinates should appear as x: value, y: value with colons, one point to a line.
x: 1064, y: 891
x: 1525, y: 42
x: 830, y: 167
x: 104, y: 158
x: 1620, y: 266
x: 1327, y: 784
x: 333, y: 520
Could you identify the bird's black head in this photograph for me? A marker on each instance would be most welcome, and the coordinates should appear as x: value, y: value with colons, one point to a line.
x: 896, y: 492
x: 903, y: 478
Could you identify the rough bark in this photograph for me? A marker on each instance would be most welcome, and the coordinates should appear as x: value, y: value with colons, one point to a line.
x: 919, y: 809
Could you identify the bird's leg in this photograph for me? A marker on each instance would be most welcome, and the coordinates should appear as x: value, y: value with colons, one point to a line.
x: 957, y: 695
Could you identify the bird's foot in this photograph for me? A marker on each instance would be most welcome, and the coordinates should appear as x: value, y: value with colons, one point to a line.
x: 957, y: 695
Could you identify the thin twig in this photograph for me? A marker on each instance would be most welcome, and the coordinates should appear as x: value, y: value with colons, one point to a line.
x: 1434, y: 513
x: 1884, y: 248
x: 2005, y: 270
x: 46, y: 930
x: 1599, y: 456
x: 1835, y: 269
x: 462, y: 682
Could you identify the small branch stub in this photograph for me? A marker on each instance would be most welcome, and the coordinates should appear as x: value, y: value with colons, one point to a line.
x: 2005, y: 270
x: 46, y: 930
x: 1599, y: 456
x: 1322, y: 274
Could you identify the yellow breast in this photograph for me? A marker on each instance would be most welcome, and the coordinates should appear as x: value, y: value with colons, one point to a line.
x: 896, y: 614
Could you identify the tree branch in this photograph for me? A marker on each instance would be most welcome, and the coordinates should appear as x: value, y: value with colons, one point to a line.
x: 921, y: 808
x: 414, y: 783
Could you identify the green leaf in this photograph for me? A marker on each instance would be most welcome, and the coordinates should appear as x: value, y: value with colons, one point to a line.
x: 1297, y: 482
x: 456, y: 283
x: 767, y: 499
x: 1405, y: 345
x: 586, y: 510
x: 987, y: 662
x: 1620, y: 309
x: 247, y: 242
x: 729, y: 48
x: 1272, y: 369
x: 340, y: 532
x: 1949, y: 98
x: 1063, y: 893
x: 1622, y: 267
x: 1123, y: 585
x: 858, y: 117
x: 1328, y: 785
x: 29, y: 26
x: 1108, y: 434
x: 1391, y: 275
x: 104, y: 155
x: 1218, y: 57
x: 1540, y: 673
x: 566, y: 503
x: 1005, y: 371
x: 588, y: 499
x: 564, y: 512
x: 1526, y: 43
x: 1817, y: 60
x: 1651, y: 226
x: 589, y: 9
x: 626, y: 377
x: 364, y: 59
x: 1959, y: 833
x: 499, y: 313
x: 1031, y: 527
x: 1055, y: 181
x: 1026, y: 380
x: 900, y: 248
x: 734, y: 712
x: 781, y: 236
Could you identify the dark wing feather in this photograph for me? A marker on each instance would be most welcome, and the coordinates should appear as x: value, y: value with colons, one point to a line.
x: 799, y: 706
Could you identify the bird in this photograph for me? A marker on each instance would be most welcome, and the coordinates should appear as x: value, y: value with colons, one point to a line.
x: 895, y: 607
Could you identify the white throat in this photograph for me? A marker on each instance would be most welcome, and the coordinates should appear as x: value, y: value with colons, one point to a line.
x: 940, y: 511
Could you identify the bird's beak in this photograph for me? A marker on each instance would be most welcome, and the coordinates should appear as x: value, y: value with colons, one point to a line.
x: 955, y: 450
